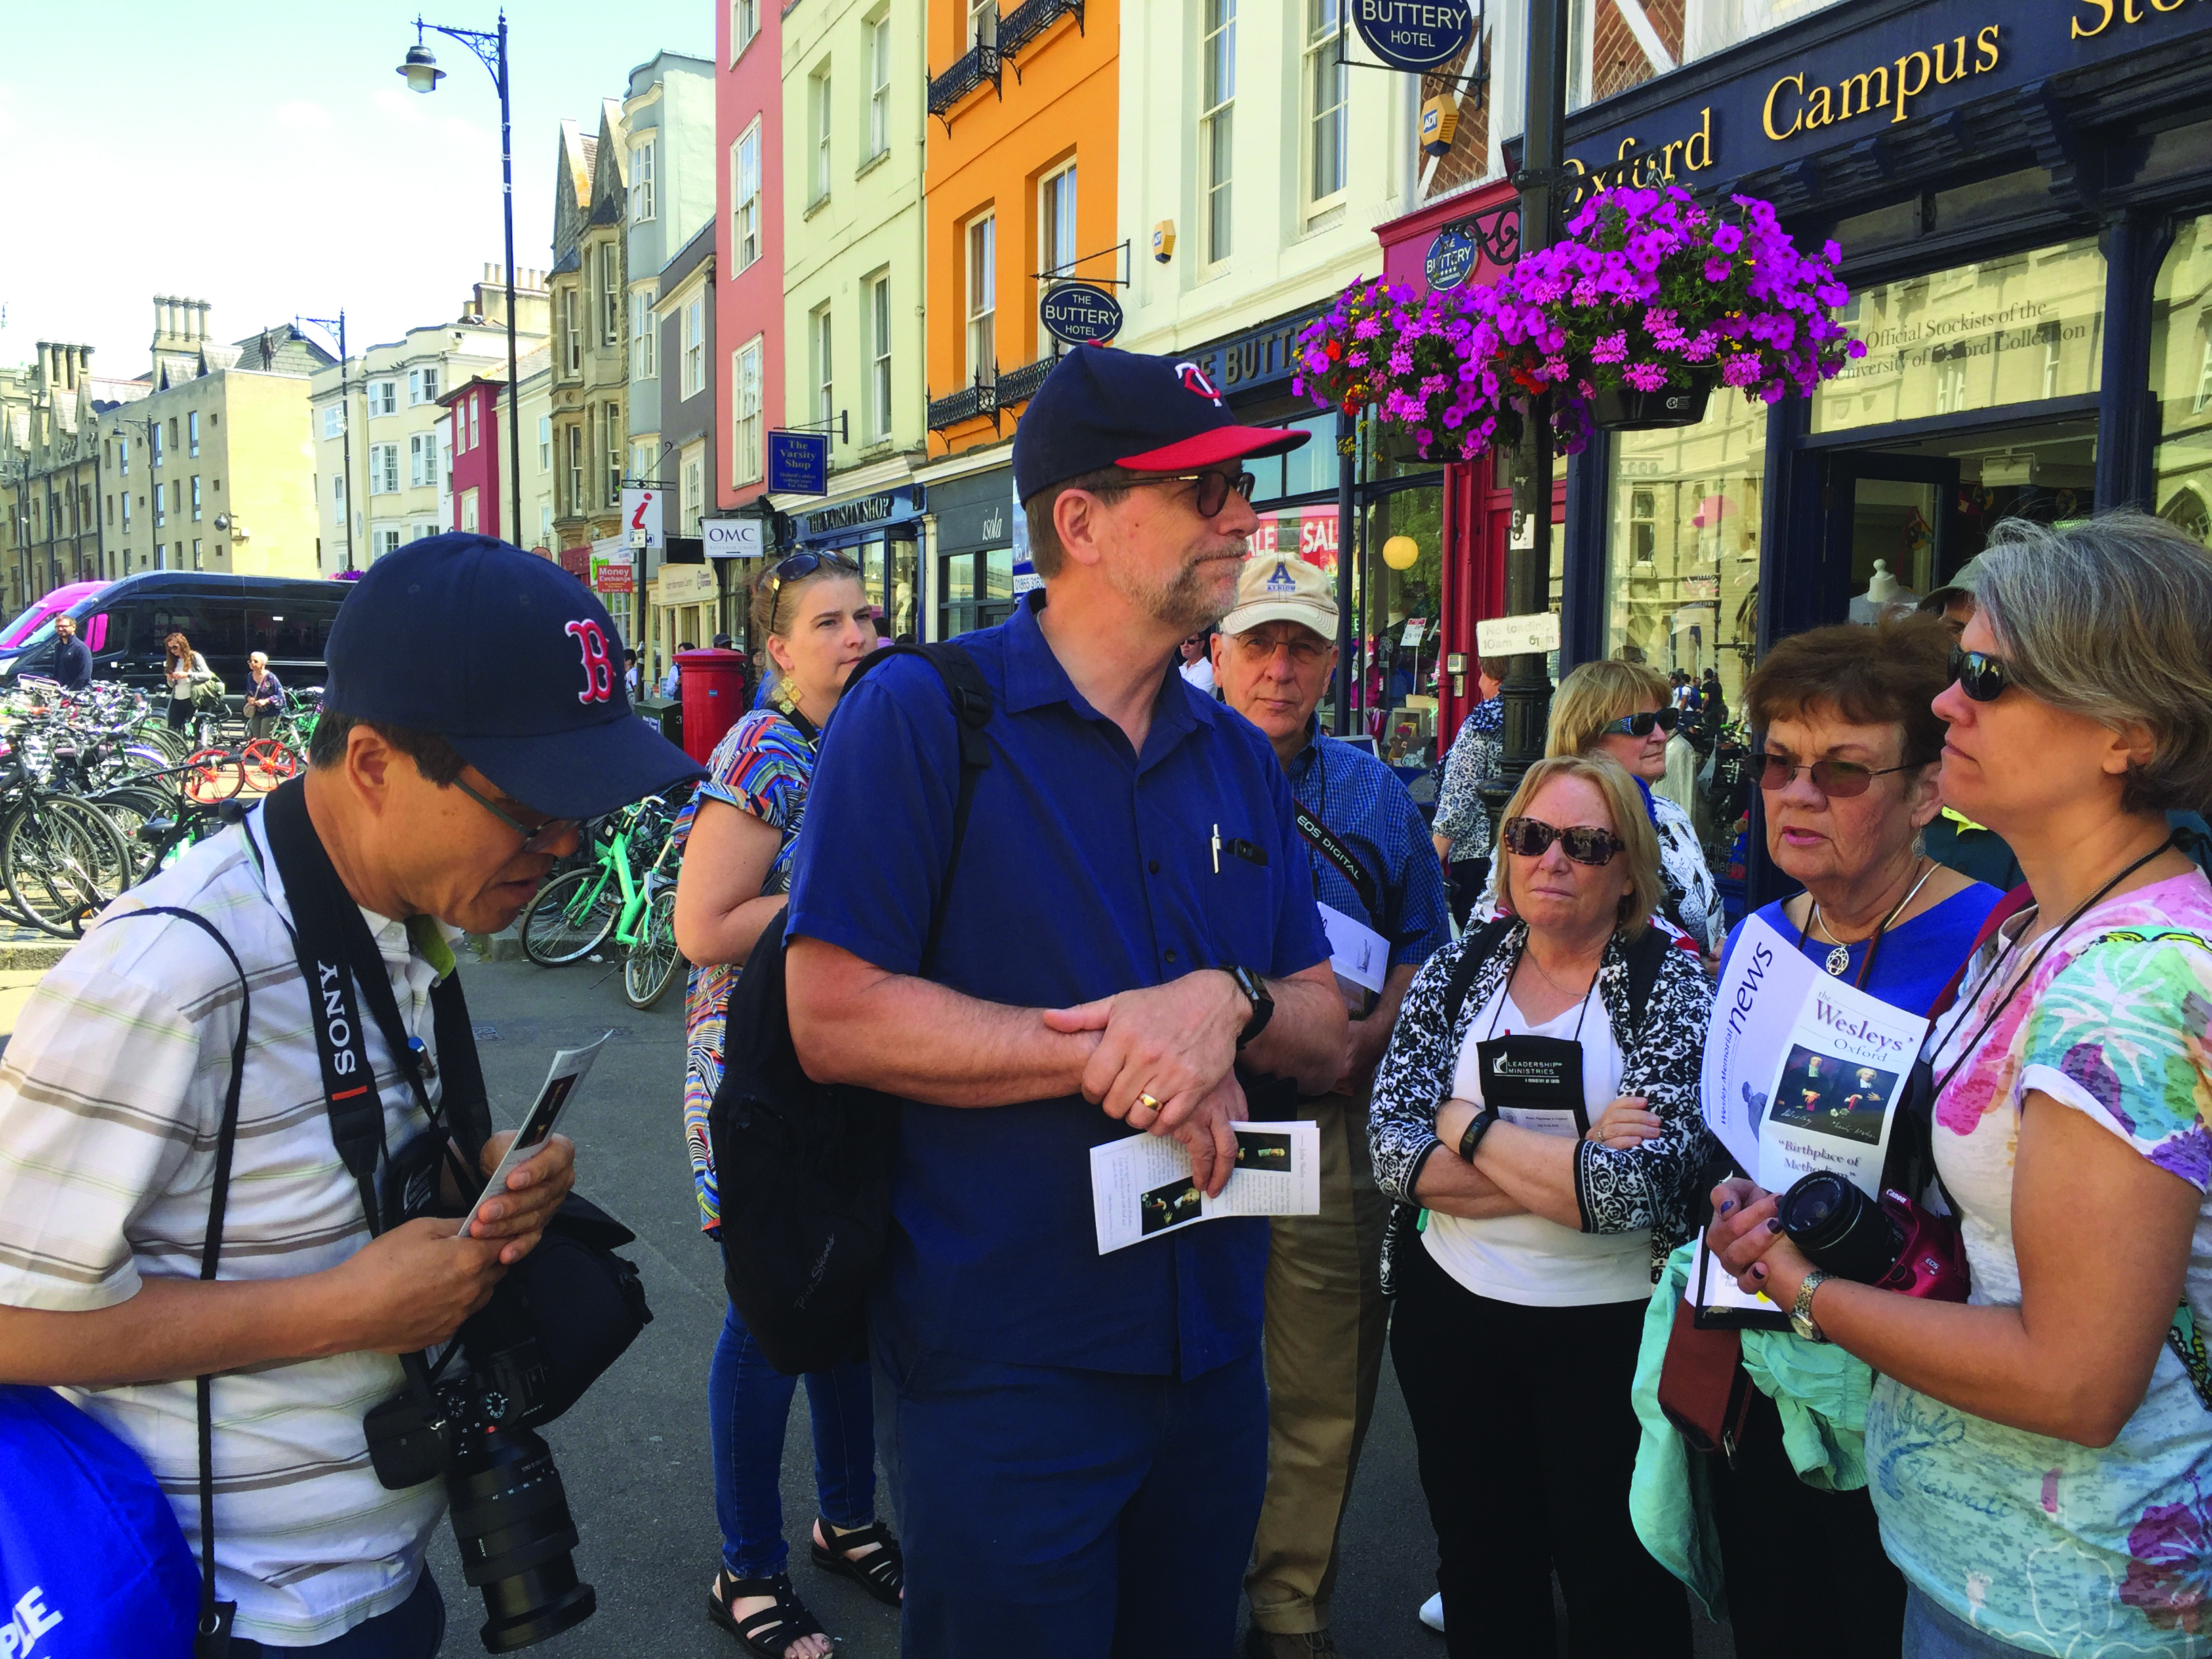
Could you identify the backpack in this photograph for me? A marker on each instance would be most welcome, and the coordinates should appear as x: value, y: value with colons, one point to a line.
x: 1647, y: 952
x: 803, y: 1168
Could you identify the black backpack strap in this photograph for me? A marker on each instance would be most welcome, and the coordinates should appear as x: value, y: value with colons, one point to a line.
x: 1484, y: 939
x: 971, y: 710
x: 212, y: 1637
x: 1647, y: 955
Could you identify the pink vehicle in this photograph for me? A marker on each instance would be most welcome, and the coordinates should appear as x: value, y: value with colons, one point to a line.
x: 44, y: 606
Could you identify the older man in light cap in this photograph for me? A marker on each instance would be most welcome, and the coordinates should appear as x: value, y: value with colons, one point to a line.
x: 1382, y: 894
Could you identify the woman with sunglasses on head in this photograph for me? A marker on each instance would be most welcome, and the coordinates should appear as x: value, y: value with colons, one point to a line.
x: 738, y: 835
x: 1849, y: 750
x: 2038, y: 1454
x: 1539, y: 1100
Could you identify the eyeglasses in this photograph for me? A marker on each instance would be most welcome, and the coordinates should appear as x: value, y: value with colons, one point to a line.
x: 1838, y: 780
x: 1305, y: 652
x: 1582, y: 842
x: 1643, y: 724
x: 533, y: 841
x: 800, y: 565
x: 1980, y: 675
x: 1213, y: 487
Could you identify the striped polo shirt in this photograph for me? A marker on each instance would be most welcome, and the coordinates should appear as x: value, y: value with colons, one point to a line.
x: 111, y: 1096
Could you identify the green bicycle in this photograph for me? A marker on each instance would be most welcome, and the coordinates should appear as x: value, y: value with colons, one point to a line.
x: 628, y: 890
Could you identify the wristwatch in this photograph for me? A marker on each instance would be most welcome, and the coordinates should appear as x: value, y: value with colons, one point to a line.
x: 1801, y: 1316
x: 1263, y: 1004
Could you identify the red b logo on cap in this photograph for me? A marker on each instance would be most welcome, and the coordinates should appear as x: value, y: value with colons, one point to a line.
x: 599, y: 672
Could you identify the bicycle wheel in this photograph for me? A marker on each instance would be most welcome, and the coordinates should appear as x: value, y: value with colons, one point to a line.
x: 211, y: 775
x: 569, y: 917
x: 63, y: 863
x: 264, y: 763
x: 654, y: 958
x: 130, y: 809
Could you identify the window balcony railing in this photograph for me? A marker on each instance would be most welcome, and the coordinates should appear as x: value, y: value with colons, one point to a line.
x: 1018, y: 385
x: 970, y: 403
x: 980, y: 64
x: 1032, y: 18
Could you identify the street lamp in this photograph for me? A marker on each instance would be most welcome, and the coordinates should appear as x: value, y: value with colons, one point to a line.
x: 345, y: 418
x: 423, y: 74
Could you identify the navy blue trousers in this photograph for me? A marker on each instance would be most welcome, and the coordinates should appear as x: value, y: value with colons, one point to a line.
x: 1086, y: 1515
x: 416, y: 1629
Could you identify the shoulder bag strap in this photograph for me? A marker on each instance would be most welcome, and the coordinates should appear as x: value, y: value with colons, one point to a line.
x: 212, y: 1637
x: 1326, y: 841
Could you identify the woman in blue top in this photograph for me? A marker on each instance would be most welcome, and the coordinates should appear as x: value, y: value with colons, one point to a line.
x: 1848, y: 763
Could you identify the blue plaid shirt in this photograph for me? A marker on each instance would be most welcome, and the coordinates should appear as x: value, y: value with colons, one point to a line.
x: 1363, y: 804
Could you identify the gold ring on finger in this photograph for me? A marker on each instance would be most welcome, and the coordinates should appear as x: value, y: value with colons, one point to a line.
x: 1148, y: 1102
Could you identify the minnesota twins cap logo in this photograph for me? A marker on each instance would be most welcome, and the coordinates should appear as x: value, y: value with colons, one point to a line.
x: 1194, y: 381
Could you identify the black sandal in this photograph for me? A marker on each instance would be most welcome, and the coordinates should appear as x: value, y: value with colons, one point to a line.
x: 881, y: 1572
x: 766, y: 1634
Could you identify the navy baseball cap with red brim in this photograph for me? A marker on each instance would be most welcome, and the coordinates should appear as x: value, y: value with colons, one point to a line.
x: 1101, y: 408
x: 510, y: 660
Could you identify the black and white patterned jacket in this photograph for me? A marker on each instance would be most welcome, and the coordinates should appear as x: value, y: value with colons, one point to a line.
x: 1655, y: 1185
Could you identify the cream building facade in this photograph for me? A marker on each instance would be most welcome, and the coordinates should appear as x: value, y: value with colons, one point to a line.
x: 591, y: 359
x: 532, y: 526
x: 383, y: 408
x: 669, y: 120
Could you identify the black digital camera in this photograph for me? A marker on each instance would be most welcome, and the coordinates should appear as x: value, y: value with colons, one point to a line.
x: 561, y: 1317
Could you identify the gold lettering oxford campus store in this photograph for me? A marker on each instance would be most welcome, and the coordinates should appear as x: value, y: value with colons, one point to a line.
x: 2100, y: 14
x: 1887, y: 86
x: 1647, y: 169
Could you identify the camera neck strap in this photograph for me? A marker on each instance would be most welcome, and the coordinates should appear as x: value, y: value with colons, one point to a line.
x: 346, y: 973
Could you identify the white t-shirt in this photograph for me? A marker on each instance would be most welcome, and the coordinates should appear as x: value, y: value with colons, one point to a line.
x: 1200, y: 674
x: 1525, y: 1259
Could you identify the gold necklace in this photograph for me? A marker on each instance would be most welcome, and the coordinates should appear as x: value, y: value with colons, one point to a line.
x: 1839, y: 960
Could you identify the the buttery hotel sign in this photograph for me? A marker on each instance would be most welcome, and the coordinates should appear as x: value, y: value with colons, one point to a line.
x: 1831, y: 81
x: 1415, y: 35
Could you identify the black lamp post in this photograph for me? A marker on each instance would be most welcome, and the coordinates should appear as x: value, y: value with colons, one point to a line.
x: 345, y: 419
x: 1542, y: 180
x: 424, y: 75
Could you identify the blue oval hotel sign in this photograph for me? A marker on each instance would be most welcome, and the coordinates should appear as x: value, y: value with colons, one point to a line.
x: 1417, y: 36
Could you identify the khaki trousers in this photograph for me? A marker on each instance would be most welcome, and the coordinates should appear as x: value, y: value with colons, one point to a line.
x: 1326, y: 1323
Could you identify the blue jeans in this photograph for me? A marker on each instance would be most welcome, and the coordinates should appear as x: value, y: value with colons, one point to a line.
x: 748, y: 1403
x: 413, y: 1630
x: 1933, y: 1633
x: 1085, y: 1515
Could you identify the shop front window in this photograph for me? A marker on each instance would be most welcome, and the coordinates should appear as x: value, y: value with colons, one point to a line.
x: 2022, y: 329
x: 2181, y: 379
x: 1682, y: 547
x: 977, y: 590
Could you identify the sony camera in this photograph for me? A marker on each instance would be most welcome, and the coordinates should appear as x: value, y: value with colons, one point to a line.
x: 1890, y: 1242
x: 561, y: 1316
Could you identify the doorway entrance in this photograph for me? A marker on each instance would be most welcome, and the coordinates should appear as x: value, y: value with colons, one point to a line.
x: 1913, y: 508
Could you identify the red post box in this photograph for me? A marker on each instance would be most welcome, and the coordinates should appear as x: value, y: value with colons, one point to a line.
x: 714, y: 686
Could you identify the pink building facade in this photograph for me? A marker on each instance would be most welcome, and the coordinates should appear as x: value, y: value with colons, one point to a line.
x: 472, y: 410
x: 748, y: 245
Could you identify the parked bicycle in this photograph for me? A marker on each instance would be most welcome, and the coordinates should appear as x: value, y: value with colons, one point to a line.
x: 628, y: 890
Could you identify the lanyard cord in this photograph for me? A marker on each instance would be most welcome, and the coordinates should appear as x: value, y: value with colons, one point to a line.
x: 1505, y: 991
x: 2028, y: 972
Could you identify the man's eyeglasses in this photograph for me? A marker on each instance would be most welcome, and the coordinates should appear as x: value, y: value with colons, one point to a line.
x: 1838, y: 780
x: 1585, y: 843
x: 801, y: 565
x: 1306, y: 650
x: 1213, y: 487
x: 533, y: 841
x: 1643, y: 725
x: 1980, y: 675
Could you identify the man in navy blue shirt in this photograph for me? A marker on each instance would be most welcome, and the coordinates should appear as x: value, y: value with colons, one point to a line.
x: 72, y: 661
x: 1082, y: 1437
x: 1372, y: 864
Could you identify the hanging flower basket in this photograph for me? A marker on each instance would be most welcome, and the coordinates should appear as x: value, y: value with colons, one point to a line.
x: 1649, y: 301
x: 1620, y: 407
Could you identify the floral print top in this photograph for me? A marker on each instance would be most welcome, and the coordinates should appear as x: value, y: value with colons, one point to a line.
x: 2054, y: 1547
x: 1472, y: 765
x: 761, y: 766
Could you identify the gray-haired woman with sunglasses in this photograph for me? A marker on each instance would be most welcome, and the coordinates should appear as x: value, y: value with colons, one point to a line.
x: 1539, y: 1101
x: 1847, y: 765
x: 2038, y: 1454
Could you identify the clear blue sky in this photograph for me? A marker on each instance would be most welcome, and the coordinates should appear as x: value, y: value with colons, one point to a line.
x: 264, y: 157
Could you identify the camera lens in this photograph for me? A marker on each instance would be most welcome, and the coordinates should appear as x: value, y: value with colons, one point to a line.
x: 1839, y: 1228
x: 511, y: 1520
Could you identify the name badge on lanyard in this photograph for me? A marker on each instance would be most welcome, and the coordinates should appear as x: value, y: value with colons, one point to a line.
x: 1535, y: 1082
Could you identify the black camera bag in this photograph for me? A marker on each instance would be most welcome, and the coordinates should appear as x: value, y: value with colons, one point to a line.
x: 803, y: 1169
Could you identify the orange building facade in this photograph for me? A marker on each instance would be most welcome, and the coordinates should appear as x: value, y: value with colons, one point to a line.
x: 1019, y: 179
